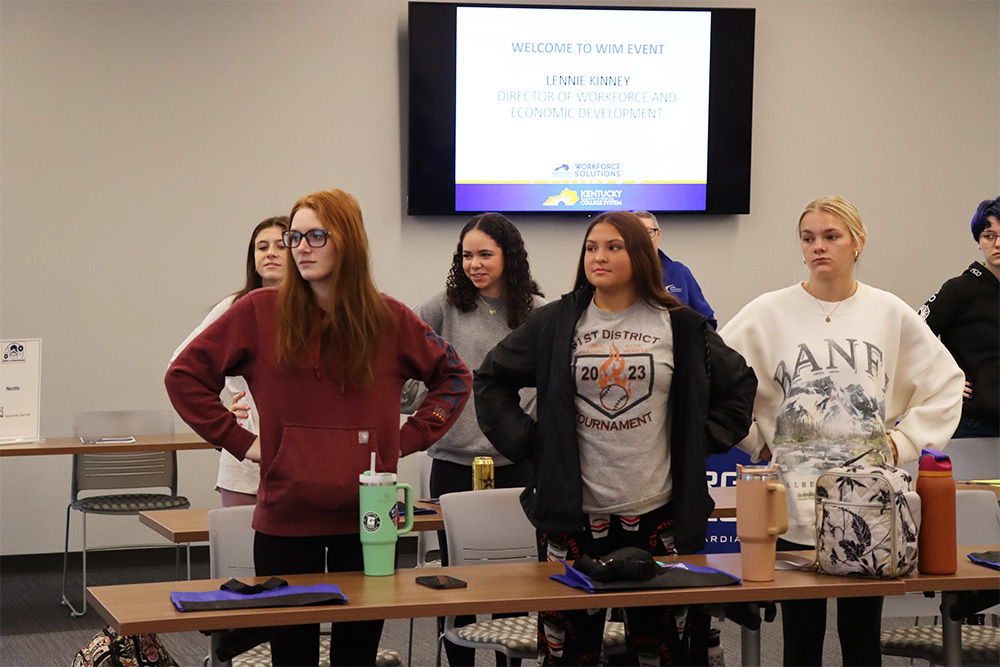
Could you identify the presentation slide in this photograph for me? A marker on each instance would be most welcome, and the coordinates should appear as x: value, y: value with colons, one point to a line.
x: 581, y: 109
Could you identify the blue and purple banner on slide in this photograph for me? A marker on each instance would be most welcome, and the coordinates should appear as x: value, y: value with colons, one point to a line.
x: 579, y: 196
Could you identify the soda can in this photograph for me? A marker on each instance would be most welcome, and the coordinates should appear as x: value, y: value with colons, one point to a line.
x: 482, y: 473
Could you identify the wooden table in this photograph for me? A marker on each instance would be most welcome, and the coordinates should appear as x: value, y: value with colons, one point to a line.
x: 725, y: 501
x: 519, y: 587
x: 191, y: 525
x: 500, y: 588
x: 143, y: 443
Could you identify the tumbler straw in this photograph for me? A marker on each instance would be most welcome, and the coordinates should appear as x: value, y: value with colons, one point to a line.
x: 372, y: 469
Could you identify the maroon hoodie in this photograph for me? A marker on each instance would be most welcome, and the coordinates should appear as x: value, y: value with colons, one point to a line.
x: 317, y: 433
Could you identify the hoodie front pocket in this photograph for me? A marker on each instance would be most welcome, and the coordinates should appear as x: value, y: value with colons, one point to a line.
x: 317, y: 468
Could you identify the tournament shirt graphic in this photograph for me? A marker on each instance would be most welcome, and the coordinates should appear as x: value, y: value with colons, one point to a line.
x: 614, y: 383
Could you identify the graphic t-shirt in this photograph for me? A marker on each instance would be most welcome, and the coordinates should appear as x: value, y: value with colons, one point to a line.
x: 623, y: 363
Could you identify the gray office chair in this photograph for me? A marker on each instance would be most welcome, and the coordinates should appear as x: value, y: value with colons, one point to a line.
x: 427, y: 540
x: 978, y: 523
x: 490, y: 527
x: 230, y: 546
x: 137, y: 472
x: 971, y: 458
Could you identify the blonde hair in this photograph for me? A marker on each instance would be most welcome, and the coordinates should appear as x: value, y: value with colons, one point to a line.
x: 844, y: 211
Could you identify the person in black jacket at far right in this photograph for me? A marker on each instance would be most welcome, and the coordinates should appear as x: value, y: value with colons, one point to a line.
x: 965, y: 313
x: 634, y: 392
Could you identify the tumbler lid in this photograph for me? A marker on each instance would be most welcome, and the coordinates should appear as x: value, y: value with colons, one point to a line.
x: 934, y: 460
x: 367, y: 478
x: 763, y: 473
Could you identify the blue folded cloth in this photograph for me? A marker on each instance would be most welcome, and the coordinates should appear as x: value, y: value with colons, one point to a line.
x: 274, y: 593
x: 675, y: 575
x: 987, y: 558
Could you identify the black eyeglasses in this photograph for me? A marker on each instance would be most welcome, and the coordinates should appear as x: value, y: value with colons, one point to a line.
x: 988, y: 237
x: 316, y: 238
x: 652, y: 231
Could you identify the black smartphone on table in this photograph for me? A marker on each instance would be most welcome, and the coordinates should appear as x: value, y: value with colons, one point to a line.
x: 441, y: 581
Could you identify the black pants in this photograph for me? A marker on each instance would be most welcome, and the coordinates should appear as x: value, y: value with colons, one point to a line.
x: 447, y: 477
x: 351, y: 643
x: 803, y: 627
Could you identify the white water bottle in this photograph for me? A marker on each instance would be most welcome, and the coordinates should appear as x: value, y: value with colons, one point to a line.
x: 716, y: 656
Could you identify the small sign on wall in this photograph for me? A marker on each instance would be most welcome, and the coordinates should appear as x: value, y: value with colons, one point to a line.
x: 20, y: 390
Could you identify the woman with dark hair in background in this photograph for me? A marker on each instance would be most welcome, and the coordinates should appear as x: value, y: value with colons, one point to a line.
x: 488, y: 293
x: 965, y: 313
x: 326, y: 356
x: 267, y: 260
x: 844, y: 369
x: 634, y: 392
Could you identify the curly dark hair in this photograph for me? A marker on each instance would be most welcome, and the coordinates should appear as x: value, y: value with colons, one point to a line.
x: 520, y: 287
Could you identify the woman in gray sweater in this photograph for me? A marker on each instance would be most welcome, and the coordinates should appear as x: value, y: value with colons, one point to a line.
x: 488, y: 293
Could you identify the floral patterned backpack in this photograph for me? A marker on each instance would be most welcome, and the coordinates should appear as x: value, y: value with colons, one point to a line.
x: 109, y: 649
x: 867, y: 519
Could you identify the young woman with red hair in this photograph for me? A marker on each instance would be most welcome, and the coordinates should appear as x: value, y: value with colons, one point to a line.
x: 326, y: 356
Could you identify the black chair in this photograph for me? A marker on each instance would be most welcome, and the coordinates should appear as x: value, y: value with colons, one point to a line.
x: 127, y: 475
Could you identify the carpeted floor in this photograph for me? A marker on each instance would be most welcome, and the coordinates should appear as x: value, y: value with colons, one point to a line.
x: 36, y: 631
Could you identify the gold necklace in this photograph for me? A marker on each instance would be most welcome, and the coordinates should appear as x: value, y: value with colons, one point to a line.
x: 493, y: 311
x: 824, y: 309
x: 818, y: 303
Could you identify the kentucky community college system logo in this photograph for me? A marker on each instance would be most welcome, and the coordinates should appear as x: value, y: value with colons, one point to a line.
x: 567, y: 198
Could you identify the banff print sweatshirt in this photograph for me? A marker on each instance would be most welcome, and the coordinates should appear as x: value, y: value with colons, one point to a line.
x: 829, y: 391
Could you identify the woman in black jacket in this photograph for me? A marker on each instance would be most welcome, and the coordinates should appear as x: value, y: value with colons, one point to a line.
x: 634, y: 392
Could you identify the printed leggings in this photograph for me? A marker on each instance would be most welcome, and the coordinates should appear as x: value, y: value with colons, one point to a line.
x: 654, y: 635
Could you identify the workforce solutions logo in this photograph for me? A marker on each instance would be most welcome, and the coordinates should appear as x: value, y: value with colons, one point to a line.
x: 13, y: 352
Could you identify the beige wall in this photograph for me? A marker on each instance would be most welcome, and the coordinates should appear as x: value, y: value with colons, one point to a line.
x: 141, y: 141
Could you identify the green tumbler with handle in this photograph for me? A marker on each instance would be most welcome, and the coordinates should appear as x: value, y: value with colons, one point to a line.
x: 379, y: 519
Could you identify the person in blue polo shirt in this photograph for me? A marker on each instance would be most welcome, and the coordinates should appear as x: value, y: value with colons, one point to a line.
x: 677, y: 278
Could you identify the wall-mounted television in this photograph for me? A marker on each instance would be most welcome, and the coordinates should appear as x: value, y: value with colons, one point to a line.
x: 564, y: 109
